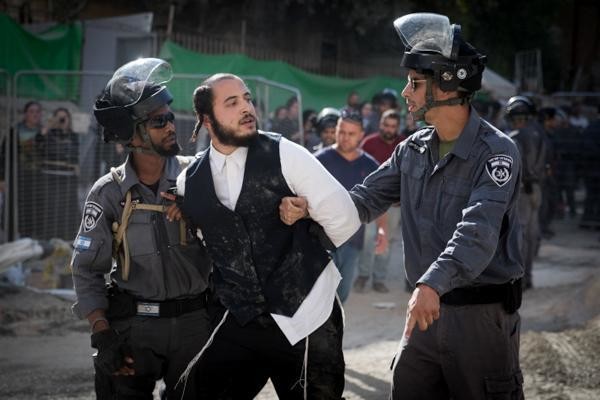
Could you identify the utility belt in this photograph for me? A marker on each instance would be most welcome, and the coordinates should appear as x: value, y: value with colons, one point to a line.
x: 508, y: 294
x: 123, y: 305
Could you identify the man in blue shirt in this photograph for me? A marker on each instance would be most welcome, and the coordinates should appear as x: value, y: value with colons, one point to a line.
x: 350, y: 165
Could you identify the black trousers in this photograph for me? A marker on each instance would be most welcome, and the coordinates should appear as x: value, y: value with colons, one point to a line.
x: 160, y: 348
x: 470, y: 353
x: 242, y: 358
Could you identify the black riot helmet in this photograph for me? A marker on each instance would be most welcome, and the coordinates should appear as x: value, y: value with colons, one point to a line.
x: 327, y: 118
x: 520, y: 106
x: 134, y: 91
x: 436, y: 49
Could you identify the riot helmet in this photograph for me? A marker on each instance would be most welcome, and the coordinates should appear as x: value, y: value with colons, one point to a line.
x: 327, y: 118
x: 436, y: 49
x: 519, y: 106
x: 134, y: 91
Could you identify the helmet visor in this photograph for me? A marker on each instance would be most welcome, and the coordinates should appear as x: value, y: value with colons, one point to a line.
x: 426, y: 32
x: 128, y: 82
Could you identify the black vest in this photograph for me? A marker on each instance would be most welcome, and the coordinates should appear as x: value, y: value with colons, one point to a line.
x: 260, y: 264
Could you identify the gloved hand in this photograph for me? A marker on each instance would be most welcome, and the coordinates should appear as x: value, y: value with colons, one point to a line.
x: 527, y: 187
x: 111, y: 352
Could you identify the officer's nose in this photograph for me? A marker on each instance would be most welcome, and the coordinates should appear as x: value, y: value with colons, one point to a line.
x: 406, y: 91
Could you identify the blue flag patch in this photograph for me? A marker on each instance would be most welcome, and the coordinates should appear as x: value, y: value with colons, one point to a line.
x: 83, y: 243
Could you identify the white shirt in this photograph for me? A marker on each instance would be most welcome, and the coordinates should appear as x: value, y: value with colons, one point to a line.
x: 329, y: 204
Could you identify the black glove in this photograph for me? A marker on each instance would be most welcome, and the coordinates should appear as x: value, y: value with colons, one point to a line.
x: 527, y: 187
x: 111, y: 352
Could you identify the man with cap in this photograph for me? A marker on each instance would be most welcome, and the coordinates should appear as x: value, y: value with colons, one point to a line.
x: 457, y: 182
x: 152, y: 319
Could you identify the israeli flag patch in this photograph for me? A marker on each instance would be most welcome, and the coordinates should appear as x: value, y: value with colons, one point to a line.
x: 83, y: 243
x: 499, y: 168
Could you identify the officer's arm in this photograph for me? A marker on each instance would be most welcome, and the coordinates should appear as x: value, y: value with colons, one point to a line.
x: 329, y: 204
x: 380, y: 189
x: 92, y: 255
x: 475, y: 239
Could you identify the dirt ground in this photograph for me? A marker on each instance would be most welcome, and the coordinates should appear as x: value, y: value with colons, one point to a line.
x: 45, y: 353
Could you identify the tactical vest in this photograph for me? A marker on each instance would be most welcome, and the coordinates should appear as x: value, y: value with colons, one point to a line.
x: 260, y: 264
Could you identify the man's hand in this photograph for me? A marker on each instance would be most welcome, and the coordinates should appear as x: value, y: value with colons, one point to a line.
x: 172, y: 213
x: 423, y: 309
x: 381, y: 242
x: 292, y: 209
x: 112, y: 357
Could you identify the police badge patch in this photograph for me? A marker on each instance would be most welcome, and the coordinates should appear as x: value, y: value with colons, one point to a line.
x: 499, y: 168
x: 91, y: 215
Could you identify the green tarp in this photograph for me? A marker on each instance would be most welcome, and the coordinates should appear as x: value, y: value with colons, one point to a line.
x: 317, y: 91
x: 57, y: 49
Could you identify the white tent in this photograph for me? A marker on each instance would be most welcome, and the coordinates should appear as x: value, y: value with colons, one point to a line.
x: 497, y: 86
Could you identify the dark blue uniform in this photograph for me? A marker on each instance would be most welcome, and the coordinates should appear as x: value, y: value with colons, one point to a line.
x: 461, y: 237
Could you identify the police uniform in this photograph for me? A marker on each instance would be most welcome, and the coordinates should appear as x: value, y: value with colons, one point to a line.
x: 461, y: 238
x: 158, y: 308
x: 531, y: 142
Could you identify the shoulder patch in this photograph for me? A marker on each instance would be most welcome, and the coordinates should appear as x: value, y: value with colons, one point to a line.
x: 91, y: 214
x: 499, y: 168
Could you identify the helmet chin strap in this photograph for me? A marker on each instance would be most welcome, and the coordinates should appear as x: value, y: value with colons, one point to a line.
x: 430, y: 103
x: 140, y: 129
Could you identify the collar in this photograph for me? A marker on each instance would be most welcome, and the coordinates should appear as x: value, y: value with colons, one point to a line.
x: 217, y: 159
x: 129, y: 178
x: 464, y: 143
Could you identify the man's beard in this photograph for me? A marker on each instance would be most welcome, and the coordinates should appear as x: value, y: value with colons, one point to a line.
x: 389, y: 135
x: 227, y: 136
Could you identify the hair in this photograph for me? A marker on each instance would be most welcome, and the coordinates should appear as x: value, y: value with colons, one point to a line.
x: 203, y: 99
x: 63, y: 109
x: 391, y: 113
x: 290, y: 102
x: 31, y: 103
x: 309, y: 114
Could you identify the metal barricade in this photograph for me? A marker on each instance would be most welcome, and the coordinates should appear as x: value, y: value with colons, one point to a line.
x: 5, y: 105
x: 56, y: 154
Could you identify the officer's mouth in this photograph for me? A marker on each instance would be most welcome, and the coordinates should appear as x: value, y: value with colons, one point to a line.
x: 169, y: 140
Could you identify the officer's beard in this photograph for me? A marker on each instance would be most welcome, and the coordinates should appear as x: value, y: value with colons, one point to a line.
x: 228, y: 136
x: 171, y: 150
x: 168, y: 152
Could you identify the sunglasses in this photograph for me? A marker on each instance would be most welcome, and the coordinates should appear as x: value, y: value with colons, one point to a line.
x: 351, y: 115
x: 413, y: 83
x: 160, y: 121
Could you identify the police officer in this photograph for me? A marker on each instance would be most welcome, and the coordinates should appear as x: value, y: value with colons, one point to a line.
x: 153, y: 318
x: 531, y: 140
x: 457, y: 184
